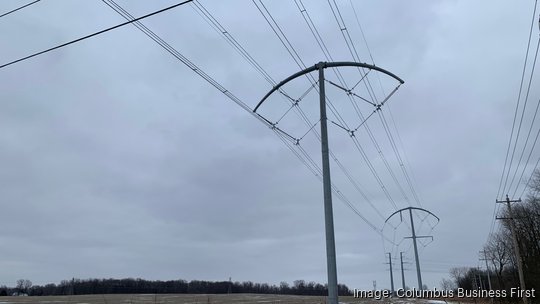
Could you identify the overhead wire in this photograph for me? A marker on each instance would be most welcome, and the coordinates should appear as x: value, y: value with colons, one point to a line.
x: 381, y: 114
x: 214, y: 23
x: 350, y: 44
x: 136, y: 22
x: 412, y: 179
x: 354, y: 53
x: 500, y: 193
x: 93, y: 34
x: 385, y: 124
x: 523, y: 114
x: 524, y: 167
x: 292, y: 51
x: 516, y: 111
x: 283, y: 136
x: 398, y: 157
x: 530, y: 177
x: 19, y: 8
x: 407, y: 177
x: 270, y: 20
x: 171, y: 50
x: 322, y: 45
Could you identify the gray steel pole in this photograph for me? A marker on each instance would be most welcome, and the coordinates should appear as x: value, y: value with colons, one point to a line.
x: 402, y: 272
x: 327, y: 187
x: 391, y: 272
x: 420, y: 287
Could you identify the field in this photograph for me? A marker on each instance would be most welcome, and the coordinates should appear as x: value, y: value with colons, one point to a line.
x: 185, y: 299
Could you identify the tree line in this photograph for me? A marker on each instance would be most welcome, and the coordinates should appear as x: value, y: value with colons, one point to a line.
x: 130, y: 285
x: 499, y: 248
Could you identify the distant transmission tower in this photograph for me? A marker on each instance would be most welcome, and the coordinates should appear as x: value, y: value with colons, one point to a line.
x: 391, y: 272
x: 327, y: 185
x: 414, y: 237
x: 402, y: 271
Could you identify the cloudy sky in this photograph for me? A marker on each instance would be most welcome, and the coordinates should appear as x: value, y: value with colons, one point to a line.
x: 117, y: 160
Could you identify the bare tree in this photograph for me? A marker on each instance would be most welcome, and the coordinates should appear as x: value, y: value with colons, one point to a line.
x: 459, y: 274
x: 499, y: 252
x: 447, y: 284
x: 23, y: 285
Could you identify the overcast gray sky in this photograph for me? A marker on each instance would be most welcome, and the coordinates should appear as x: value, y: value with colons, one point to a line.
x: 119, y: 161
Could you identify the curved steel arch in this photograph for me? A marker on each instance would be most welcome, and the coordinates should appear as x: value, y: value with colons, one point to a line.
x: 324, y: 65
x: 421, y: 209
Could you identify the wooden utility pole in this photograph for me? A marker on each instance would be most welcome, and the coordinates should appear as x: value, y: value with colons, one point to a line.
x: 483, y: 252
x: 516, y: 244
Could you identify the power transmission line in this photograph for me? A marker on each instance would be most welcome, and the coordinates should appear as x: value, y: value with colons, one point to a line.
x: 350, y: 94
x: 94, y: 34
x: 350, y: 44
x: 530, y: 177
x: 304, y: 158
x: 523, y: 114
x: 530, y: 128
x: 171, y: 50
x: 298, y: 60
x: 499, y: 192
x: 19, y: 8
x: 220, y: 29
x: 527, y: 162
x: 263, y: 10
x: 354, y: 53
x: 320, y: 41
x: 415, y: 195
x: 517, y: 108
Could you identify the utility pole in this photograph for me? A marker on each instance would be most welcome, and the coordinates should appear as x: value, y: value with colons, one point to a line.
x: 327, y: 184
x: 391, y: 272
x: 480, y: 280
x: 516, y: 244
x: 402, y: 272
x: 483, y: 252
x: 418, y: 274
x: 414, y: 237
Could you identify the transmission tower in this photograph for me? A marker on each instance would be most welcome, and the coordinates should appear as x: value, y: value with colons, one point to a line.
x: 402, y: 270
x: 327, y: 184
x: 391, y: 272
x: 414, y: 237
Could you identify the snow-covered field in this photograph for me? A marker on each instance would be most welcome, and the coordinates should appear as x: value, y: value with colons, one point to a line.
x: 200, y: 299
